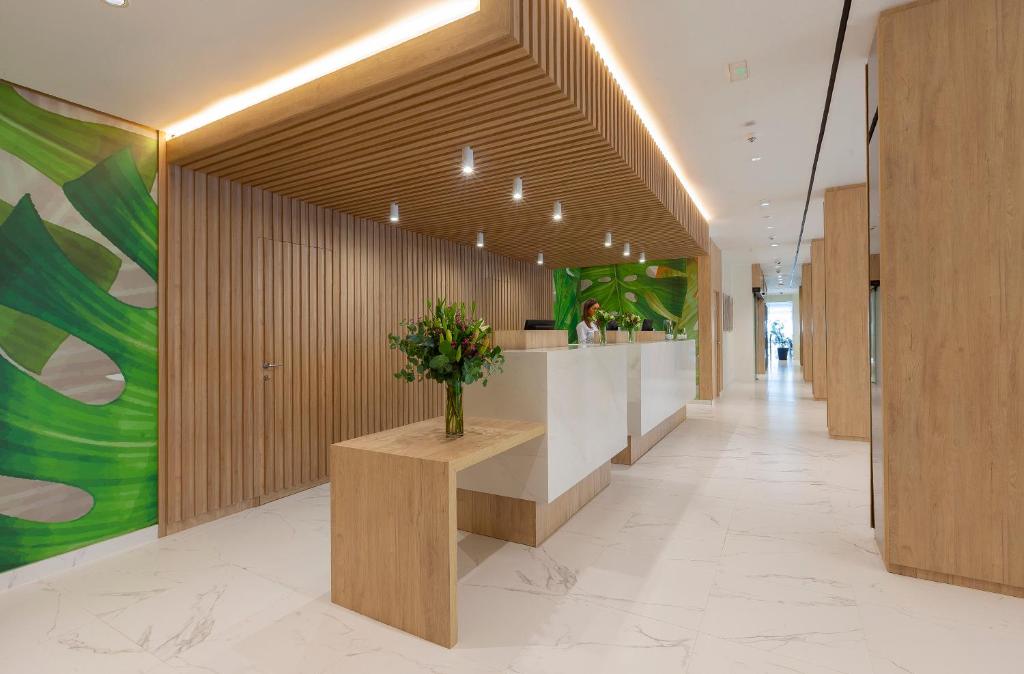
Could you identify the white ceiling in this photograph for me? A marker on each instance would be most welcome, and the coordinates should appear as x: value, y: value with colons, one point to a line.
x: 157, y: 62
x: 677, y: 53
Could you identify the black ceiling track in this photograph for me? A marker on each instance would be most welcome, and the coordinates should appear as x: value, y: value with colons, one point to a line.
x: 840, y: 37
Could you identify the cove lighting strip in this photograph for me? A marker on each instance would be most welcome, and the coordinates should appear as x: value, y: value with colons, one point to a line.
x: 435, y: 16
x: 607, y: 54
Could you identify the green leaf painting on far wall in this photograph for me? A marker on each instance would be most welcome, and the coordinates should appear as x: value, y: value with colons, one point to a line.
x: 659, y: 290
x: 55, y: 283
x: 567, y: 303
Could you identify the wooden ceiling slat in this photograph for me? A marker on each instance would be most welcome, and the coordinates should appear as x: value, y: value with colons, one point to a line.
x: 520, y: 82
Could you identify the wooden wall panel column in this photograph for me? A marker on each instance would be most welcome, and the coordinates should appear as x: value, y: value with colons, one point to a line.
x: 807, y: 320
x: 951, y: 180
x: 819, y: 379
x: 356, y: 279
x: 846, y: 306
x: 709, y: 323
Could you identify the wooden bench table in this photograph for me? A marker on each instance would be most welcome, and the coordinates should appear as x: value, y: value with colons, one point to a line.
x: 393, y: 519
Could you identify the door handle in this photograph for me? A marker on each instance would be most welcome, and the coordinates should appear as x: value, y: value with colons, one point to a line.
x: 267, y: 366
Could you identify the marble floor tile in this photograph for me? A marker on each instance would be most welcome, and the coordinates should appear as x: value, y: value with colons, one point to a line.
x: 738, y: 545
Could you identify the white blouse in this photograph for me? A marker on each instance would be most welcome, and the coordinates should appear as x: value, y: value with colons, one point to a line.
x: 586, y: 334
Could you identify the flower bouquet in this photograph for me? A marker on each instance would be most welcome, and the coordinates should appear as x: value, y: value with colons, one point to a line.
x: 630, y: 322
x: 451, y: 346
x: 602, y: 318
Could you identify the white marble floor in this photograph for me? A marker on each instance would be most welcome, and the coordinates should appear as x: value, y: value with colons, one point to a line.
x: 739, y: 544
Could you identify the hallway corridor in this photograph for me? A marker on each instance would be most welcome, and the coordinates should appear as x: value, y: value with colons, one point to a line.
x: 739, y: 544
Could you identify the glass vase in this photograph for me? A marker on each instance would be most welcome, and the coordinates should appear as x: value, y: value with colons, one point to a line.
x: 453, y: 416
x: 631, y: 336
x: 604, y: 335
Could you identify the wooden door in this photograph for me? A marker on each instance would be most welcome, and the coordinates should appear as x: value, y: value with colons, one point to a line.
x: 297, y: 368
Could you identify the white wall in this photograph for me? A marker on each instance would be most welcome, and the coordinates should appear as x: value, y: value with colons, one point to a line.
x: 738, y: 345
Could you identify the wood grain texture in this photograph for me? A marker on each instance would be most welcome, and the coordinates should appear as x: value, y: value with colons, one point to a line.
x: 760, y: 335
x: 393, y: 517
x: 519, y: 340
x: 523, y: 521
x: 519, y: 82
x: 951, y: 98
x: 709, y: 324
x: 807, y: 321
x: 846, y: 306
x: 354, y: 279
x: 819, y: 263
x: 636, y: 447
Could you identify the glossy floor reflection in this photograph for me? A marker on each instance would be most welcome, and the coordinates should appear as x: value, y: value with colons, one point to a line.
x: 739, y: 544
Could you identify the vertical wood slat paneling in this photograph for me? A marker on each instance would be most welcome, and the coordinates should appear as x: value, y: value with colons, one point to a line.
x: 226, y: 435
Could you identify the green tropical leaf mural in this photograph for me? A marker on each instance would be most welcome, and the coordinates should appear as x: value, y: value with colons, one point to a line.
x: 567, y: 303
x: 658, y: 290
x: 54, y: 283
x: 63, y: 148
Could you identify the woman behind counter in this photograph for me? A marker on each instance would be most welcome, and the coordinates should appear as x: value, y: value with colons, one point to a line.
x: 586, y: 330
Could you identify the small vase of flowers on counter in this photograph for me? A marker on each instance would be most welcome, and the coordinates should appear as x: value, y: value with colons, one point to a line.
x: 631, y: 323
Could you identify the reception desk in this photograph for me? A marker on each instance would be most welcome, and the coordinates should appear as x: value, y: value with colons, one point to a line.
x: 662, y: 379
x: 580, y: 395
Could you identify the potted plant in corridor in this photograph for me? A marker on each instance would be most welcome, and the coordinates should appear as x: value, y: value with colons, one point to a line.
x: 602, y: 318
x: 782, y: 343
x: 630, y: 322
x: 452, y: 347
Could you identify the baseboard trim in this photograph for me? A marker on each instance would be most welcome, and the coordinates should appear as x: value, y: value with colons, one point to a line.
x: 859, y: 438
x: 523, y: 521
x: 951, y: 579
x: 636, y: 447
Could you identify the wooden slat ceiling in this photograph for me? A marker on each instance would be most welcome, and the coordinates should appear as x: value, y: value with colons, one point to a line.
x: 518, y: 82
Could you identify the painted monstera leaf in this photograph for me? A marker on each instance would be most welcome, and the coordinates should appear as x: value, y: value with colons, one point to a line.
x: 655, y: 290
x: 106, y: 450
x: 62, y: 148
x: 567, y: 303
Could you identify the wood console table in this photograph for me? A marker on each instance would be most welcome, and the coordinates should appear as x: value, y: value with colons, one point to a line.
x: 393, y: 519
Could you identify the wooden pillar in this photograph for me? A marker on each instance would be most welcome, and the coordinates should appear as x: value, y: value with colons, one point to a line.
x: 846, y: 306
x: 709, y: 323
x: 807, y: 320
x: 951, y: 178
x: 819, y: 380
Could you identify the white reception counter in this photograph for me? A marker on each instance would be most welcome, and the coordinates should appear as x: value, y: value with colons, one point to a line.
x: 591, y: 399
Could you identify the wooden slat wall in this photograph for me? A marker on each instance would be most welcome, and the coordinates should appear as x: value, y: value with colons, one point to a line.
x: 848, y: 367
x: 519, y: 82
x: 951, y: 179
x: 212, y: 313
x: 555, y: 40
x: 819, y: 380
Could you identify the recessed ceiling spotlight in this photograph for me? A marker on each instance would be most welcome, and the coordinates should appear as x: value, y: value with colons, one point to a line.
x: 479, y: 239
x: 608, y: 240
x: 643, y: 257
x: 756, y: 158
x: 766, y: 204
x: 557, y: 214
x: 517, y: 188
x: 394, y: 212
x: 468, y: 164
x: 626, y: 250
x: 117, y: 3
x: 540, y: 258
x: 775, y: 245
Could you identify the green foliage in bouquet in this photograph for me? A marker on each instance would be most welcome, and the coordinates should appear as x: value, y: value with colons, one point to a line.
x: 602, y: 318
x: 630, y: 321
x: 447, y: 345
